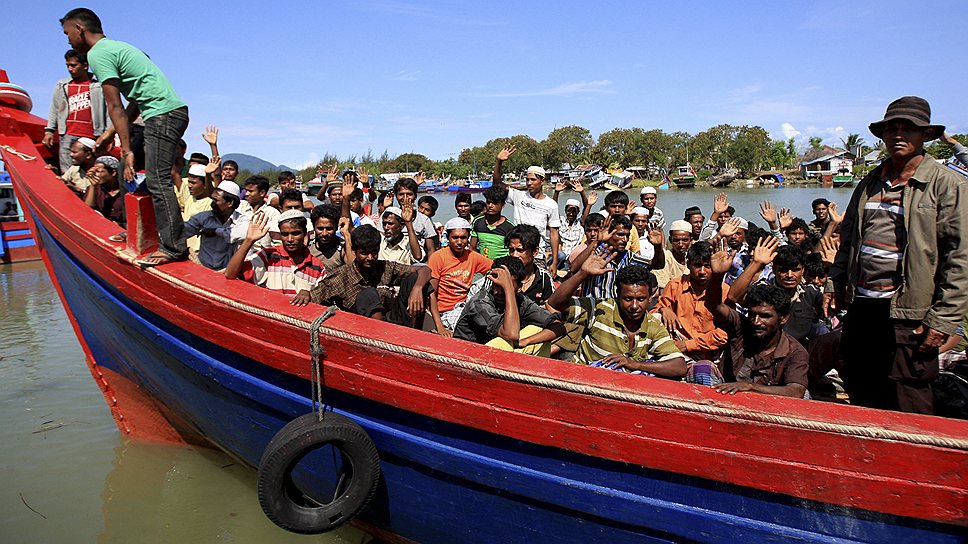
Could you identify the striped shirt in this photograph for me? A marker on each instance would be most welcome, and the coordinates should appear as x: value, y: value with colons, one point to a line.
x: 274, y: 269
x: 604, y: 286
x: 605, y: 335
x: 882, y: 241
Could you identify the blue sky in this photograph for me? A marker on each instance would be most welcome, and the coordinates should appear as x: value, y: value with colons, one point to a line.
x: 290, y: 81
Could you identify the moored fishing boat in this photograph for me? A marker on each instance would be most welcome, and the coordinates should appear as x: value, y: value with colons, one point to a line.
x: 684, y: 177
x: 475, y: 444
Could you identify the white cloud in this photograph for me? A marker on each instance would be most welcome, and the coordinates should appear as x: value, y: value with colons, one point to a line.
x: 600, y: 86
x: 406, y: 75
x: 789, y: 131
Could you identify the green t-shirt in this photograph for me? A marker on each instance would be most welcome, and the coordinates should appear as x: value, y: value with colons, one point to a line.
x: 139, y: 78
x: 490, y: 240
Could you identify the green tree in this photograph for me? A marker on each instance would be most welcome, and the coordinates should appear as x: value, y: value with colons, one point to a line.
x: 749, y: 149
x: 940, y: 150
x: 571, y: 144
x: 408, y: 162
x: 816, y: 142
x: 709, y: 148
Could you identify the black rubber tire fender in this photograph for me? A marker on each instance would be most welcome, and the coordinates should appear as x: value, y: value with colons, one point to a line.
x: 282, y: 502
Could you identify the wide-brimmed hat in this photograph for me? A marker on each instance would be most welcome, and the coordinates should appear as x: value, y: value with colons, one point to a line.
x: 910, y: 108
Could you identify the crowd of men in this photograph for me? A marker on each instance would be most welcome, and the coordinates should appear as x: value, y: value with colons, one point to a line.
x: 875, y: 290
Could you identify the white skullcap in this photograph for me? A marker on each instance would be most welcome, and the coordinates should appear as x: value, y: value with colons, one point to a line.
x: 573, y: 202
x: 537, y: 170
x: 87, y: 142
x: 229, y: 187
x: 289, y: 215
x: 197, y: 170
x: 394, y: 210
x: 639, y: 210
x: 648, y: 191
x: 457, y: 223
x: 680, y: 225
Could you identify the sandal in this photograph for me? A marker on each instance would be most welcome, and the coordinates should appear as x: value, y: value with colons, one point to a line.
x: 155, y: 259
x: 120, y: 237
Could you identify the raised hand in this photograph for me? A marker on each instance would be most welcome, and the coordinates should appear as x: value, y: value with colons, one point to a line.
x: 506, y: 153
x: 722, y: 260
x: 768, y: 212
x: 214, y: 165
x: 598, y: 262
x: 578, y: 185
x: 765, y: 250
x: 420, y: 178
x: 834, y: 213
x: 786, y: 219
x: 333, y: 172
x: 386, y: 202
x: 210, y: 135
x: 592, y: 198
x: 721, y: 203
x: 729, y: 228
x: 561, y: 185
x: 345, y: 226
x: 93, y: 177
x: 604, y: 234
x: 407, y: 213
x: 828, y: 249
x: 349, y: 185
x: 631, y: 206
x: 258, y: 227
x: 656, y: 237
x: 363, y: 175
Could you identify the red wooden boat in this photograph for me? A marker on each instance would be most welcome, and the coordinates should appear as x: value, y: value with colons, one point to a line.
x: 473, y: 444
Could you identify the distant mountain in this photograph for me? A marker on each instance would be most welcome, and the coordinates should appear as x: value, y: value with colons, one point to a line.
x: 255, y: 164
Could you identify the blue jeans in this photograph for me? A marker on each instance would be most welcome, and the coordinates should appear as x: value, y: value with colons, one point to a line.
x: 162, y: 133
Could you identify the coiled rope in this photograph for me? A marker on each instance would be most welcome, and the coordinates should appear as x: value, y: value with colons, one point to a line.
x: 581, y: 388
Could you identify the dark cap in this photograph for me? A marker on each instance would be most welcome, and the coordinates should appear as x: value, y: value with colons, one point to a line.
x: 692, y: 210
x: 909, y: 108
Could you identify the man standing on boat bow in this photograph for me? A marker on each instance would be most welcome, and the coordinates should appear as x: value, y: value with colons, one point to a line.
x: 124, y: 69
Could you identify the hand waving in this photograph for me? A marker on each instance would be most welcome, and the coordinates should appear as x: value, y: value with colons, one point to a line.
x: 721, y: 203
x: 765, y: 250
x: 506, y: 153
x: 210, y: 135
x: 722, y: 260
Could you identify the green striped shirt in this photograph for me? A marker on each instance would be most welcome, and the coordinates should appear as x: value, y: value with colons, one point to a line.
x: 604, y: 333
x: 490, y: 240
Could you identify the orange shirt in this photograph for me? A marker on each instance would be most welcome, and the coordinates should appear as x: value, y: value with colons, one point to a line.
x: 454, y: 275
x: 697, y: 331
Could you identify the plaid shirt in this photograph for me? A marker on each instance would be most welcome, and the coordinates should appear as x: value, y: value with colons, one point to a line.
x: 604, y: 286
x: 344, y: 283
x: 275, y: 269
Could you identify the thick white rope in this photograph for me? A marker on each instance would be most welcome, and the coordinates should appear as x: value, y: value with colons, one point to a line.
x: 581, y: 388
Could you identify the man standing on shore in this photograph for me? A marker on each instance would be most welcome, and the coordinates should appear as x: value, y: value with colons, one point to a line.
x: 77, y: 109
x: 902, y: 265
x: 124, y: 69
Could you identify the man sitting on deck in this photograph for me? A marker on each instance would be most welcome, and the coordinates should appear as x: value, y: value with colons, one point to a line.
x: 452, y: 272
x: 256, y: 189
x: 104, y: 191
x: 760, y: 356
x: 686, y: 310
x: 289, y: 268
x: 614, y: 235
x: 368, y: 286
x: 220, y: 228
x: 503, y: 317
x: 326, y: 246
x: 82, y: 156
x: 680, y: 239
x: 618, y: 331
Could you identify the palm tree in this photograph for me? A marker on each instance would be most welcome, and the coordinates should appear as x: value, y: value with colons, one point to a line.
x: 853, y: 143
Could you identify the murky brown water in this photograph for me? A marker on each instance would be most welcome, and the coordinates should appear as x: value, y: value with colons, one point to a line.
x: 68, y: 476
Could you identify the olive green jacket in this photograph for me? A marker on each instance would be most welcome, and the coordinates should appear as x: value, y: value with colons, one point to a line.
x: 934, y: 266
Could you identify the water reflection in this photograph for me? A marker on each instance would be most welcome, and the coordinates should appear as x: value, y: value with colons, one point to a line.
x: 186, y: 494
